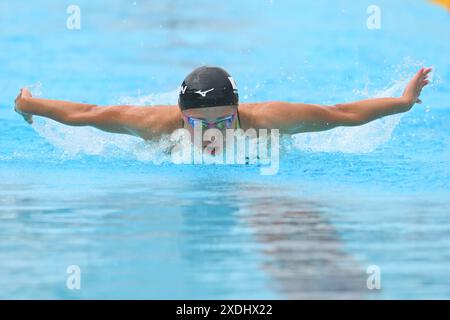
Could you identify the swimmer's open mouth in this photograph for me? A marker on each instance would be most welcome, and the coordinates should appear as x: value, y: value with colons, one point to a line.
x: 209, y: 149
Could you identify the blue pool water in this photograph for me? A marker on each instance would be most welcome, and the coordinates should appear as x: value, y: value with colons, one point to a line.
x: 141, y: 227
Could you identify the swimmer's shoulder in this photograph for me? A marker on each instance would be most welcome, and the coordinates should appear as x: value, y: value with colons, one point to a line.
x: 251, y: 114
x: 163, y: 119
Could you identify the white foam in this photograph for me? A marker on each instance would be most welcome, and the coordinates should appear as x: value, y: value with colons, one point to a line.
x: 166, y: 98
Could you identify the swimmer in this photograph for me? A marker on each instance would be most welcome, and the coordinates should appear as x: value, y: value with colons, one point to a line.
x: 209, y: 97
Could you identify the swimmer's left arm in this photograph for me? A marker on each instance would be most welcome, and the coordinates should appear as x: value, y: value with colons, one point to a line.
x: 294, y: 118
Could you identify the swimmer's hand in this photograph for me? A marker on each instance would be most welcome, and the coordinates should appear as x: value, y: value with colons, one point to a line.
x: 24, y: 93
x: 415, y: 86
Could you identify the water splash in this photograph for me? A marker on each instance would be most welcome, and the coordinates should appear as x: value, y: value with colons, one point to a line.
x: 152, y: 99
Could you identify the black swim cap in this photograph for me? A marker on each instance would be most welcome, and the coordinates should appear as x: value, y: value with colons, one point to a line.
x: 208, y: 87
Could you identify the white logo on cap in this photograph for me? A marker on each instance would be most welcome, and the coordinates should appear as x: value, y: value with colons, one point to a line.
x: 233, y: 84
x: 183, y: 89
x: 203, y: 93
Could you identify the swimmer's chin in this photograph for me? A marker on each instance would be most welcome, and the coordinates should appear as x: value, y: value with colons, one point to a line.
x: 211, y: 151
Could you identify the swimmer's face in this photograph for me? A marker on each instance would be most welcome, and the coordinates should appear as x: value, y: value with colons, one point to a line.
x: 221, y: 118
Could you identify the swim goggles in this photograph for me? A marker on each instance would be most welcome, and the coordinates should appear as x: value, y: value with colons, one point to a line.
x: 220, y: 123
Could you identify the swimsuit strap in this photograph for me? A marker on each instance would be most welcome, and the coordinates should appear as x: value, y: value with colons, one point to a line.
x: 239, y: 120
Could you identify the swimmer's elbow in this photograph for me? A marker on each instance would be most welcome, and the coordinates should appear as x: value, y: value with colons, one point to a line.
x: 342, y: 116
x: 87, y: 116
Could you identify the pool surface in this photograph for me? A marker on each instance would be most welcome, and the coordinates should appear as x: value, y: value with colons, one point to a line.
x: 140, y: 227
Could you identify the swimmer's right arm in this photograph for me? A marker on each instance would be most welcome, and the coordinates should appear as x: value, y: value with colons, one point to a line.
x: 116, y: 119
